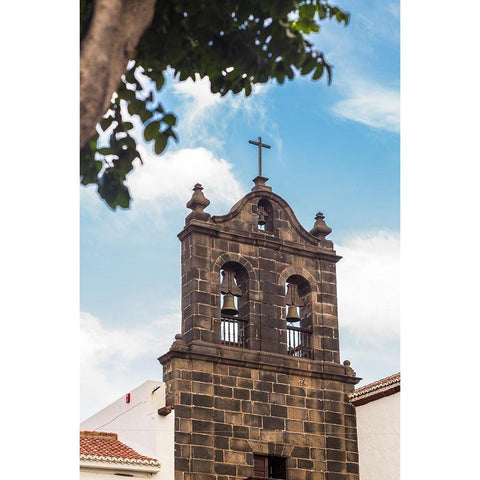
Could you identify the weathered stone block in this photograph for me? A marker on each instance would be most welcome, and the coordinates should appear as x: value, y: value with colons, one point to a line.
x: 223, y: 429
x: 199, y: 426
x: 203, y: 452
x: 202, y: 377
x: 259, y: 396
x: 337, y: 455
x: 306, y: 464
x: 222, y: 391
x: 261, y: 408
x: 279, y: 411
x: 202, y: 466
x: 301, y: 452
x: 242, y: 393
x: 201, y: 439
x: 225, y: 469
x: 241, y: 432
x: 280, y: 388
x: 237, y: 458
x: 273, y: 423
x: 352, y: 468
x: 334, y: 417
x: 333, y: 466
x: 297, y: 402
x: 202, y: 400
x: 227, y: 404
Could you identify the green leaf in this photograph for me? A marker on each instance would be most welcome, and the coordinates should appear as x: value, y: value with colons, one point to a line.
x: 318, y: 72
x: 123, y: 197
x: 160, y: 144
x: 127, y: 125
x: 112, y: 189
x: 105, y: 123
x: 170, y: 133
x: 125, y: 162
x: 105, y: 151
x: 158, y: 78
x: 169, y: 119
x: 308, y: 65
x: 145, y: 115
x: 135, y: 107
x: 151, y: 131
x: 128, y: 95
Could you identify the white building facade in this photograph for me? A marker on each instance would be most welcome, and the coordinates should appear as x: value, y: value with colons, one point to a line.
x: 378, y: 427
x: 142, y: 422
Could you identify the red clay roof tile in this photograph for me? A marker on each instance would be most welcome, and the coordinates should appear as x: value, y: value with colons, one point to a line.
x: 106, y: 445
x: 381, y: 388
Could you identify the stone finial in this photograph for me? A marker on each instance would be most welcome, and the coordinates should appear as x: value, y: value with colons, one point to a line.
x: 198, y: 202
x: 320, y: 229
x: 348, y: 369
x: 179, y: 345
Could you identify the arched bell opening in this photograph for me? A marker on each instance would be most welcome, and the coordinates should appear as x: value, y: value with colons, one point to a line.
x: 265, y: 215
x: 298, y: 316
x: 234, y: 304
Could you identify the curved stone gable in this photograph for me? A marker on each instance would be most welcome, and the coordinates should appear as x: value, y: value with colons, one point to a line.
x: 243, y: 218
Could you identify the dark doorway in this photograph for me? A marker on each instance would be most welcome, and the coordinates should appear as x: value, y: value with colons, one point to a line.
x: 270, y: 467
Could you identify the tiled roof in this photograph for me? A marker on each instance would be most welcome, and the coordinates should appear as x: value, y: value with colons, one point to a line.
x: 105, y: 447
x: 381, y: 388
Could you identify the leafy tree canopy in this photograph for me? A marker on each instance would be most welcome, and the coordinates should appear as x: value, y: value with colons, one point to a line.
x: 235, y: 43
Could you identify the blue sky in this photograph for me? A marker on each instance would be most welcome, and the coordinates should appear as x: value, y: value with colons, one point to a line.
x: 334, y: 148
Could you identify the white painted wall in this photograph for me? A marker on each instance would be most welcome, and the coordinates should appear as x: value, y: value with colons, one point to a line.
x: 110, y: 472
x: 378, y: 428
x: 139, y: 426
x: 99, y: 474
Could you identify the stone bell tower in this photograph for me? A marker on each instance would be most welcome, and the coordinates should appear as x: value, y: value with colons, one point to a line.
x: 255, y: 378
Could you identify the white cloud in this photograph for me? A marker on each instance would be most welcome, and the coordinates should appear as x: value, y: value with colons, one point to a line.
x: 369, y: 94
x: 368, y: 286
x: 197, y: 95
x: 168, y: 180
x: 370, y: 104
x: 114, y: 360
x: 163, y: 184
x: 204, y: 116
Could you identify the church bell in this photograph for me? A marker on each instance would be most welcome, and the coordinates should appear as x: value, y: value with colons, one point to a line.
x: 261, y: 219
x: 229, y: 307
x: 292, y: 314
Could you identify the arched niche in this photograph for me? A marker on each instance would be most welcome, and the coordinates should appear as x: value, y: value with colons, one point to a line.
x: 298, y: 298
x: 265, y: 212
x: 233, y: 287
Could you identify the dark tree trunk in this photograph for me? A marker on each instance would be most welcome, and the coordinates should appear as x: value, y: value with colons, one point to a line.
x: 115, y: 30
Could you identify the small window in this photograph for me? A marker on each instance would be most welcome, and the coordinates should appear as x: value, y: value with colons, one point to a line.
x: 270, y: 467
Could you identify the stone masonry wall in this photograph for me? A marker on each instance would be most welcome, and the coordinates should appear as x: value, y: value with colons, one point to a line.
x: 224, y: 414
x: 269, y: 259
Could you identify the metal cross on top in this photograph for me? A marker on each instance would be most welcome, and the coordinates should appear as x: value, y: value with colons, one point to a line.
x: 260, y: 145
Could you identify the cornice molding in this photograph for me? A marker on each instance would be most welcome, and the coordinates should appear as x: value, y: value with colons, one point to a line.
x: 222, y: 354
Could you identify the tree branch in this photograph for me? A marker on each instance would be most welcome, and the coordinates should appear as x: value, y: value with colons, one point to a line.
x: 115, y: 30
